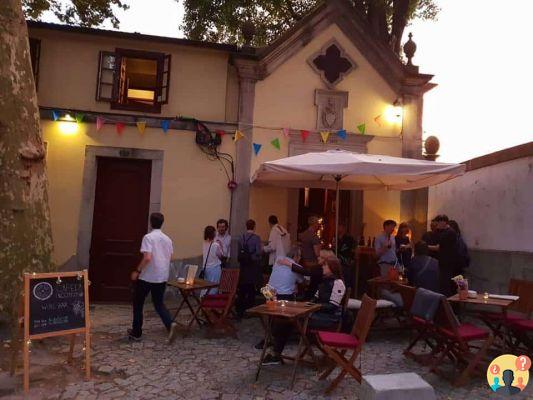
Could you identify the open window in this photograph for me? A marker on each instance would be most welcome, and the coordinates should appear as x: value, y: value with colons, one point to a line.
x: 133, y: 80
x: 35, y: 55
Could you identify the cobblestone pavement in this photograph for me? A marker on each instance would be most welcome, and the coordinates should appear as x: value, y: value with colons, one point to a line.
x: 197, y: 367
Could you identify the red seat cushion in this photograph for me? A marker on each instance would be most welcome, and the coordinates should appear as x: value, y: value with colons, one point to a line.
x: 218, y: 296
x: 335, y: 339
x: 214, y: 303
x: 523, y: 324
x: 467, y: 332
x: 421, y: 321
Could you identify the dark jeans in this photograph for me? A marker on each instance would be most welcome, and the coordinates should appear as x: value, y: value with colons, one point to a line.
x: 246, y: 298
x: 281, y: 328
x: 142, y: 288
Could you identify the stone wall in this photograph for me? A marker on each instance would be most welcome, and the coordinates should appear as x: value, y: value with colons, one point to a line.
x: 492, y: 204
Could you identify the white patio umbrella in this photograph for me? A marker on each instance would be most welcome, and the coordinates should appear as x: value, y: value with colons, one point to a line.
x: 339, y: 169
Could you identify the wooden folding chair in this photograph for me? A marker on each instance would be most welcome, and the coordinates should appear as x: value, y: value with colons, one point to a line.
x: 336, y: 344
x: 507, y: 325
x: 423, y: 328
x: 217, y: 307
x: 457, y: 341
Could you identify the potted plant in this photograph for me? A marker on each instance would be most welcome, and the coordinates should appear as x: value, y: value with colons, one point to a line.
x: 462, y: 286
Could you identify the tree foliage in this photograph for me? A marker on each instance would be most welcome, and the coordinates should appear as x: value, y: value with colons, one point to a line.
x: 76, y: 12
x: 221, y: 20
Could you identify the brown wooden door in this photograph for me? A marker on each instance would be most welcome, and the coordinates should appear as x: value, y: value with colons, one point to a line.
x: 120, y: 219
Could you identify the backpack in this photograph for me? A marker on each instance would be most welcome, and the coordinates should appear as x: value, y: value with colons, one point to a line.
x: 244, y: 256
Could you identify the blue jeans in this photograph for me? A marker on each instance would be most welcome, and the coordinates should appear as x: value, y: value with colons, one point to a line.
x: 142, y: 288
x: 212, y: 274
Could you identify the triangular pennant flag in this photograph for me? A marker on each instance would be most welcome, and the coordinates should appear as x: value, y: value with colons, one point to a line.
x: 238, y: 136
x: 220, y: 132
x: 342, y: 134
x: 79, y: 118
x: 305, y: 135
x: 286, y: 131
x: 165, y: 124
x: 99, y: 123
x: 257, y: 148
x: 141, y: 126
x: 325, y: 136
x: 361, y: 128
x: 377, y: 120
x: 119, y: 126
x: 55, y: 115
x: 275, y: 143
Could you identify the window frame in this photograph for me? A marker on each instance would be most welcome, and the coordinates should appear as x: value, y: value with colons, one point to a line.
x: 35, y: 58
x: 147, y: 55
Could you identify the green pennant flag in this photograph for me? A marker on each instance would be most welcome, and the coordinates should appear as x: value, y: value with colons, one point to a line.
x: 361, y: 128
x: 275, y: 143
x: 79, y: 118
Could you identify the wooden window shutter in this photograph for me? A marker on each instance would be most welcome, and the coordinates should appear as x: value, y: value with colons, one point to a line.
x: 163, y: 91
x: 108, y: 76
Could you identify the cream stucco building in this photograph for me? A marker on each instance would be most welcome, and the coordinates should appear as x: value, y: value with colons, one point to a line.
x: 105, y: 176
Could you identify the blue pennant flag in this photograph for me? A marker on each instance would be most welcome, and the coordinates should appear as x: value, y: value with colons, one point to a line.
x: 55, y: 115
x: 165, y: 124
x: 257, y: 148
x: 342, y: 134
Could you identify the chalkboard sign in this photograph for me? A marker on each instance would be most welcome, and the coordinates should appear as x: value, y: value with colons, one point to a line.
x: 56, y: 304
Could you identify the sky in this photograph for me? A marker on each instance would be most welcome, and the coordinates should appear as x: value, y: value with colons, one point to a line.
x: 477, y: 50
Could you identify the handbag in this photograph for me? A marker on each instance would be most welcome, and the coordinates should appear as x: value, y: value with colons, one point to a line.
x: 202, y: 272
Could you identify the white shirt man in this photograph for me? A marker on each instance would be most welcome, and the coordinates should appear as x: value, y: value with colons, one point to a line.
x: 224, y: 238
x: 151, y: 276
x: 279, y: 241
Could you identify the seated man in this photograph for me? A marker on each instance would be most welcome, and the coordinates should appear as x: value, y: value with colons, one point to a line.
x: 283, y: 279
x: 424, y: 270
x: 329, y: 295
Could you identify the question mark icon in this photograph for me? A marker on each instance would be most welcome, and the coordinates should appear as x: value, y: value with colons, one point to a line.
x: 495, y: 369
x: 523, y: 363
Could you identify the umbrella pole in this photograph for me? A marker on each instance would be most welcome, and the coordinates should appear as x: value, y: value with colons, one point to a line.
x: 337, y: 209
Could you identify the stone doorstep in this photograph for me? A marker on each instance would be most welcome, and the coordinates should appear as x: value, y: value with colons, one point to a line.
x: 404, y: 386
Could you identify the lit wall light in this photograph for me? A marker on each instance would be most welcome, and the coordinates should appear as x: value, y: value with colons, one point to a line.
x: 394, y: 112
x: 68, y: 125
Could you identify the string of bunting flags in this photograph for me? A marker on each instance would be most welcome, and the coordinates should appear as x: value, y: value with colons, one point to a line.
x: 325, y: 135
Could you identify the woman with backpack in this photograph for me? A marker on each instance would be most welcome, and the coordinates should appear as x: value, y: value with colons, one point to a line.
x: 249, y: 257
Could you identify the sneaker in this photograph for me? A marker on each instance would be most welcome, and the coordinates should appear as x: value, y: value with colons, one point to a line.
x: 260, y: 345
x: 271, y: 360
x: 173, y: 333
x: 132, y: 337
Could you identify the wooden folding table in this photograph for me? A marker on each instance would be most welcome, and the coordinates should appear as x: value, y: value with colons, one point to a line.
x: 297, y: 313
x: 189, y: 291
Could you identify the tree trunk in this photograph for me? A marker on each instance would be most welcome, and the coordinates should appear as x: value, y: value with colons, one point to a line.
x: 377, y: 17
x: 399, y: 21
x: 25, y: 232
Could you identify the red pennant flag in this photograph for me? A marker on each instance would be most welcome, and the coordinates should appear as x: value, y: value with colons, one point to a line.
x: 377, y: 120
x: 305, y: 134
x: 220, y: 132
x: 119, y: 127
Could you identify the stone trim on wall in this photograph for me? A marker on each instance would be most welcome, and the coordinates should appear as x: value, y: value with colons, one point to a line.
x: 498, y: 157
x: 89, y: 186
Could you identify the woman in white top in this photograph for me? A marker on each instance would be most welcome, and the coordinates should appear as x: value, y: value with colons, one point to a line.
x: 212, y: 260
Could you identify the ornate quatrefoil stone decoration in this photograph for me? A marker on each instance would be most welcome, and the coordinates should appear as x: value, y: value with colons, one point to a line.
x: 332, y: 63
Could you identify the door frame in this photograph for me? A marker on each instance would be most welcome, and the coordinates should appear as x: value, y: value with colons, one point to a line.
x: 355, y: 143
x: 85, y: 226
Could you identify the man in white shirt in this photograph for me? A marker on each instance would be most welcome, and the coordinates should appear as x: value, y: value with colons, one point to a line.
x: 279, y: 241
x: 224, y: 239
x: 151, y: 277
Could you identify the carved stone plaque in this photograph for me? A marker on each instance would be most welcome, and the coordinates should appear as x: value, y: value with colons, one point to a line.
x: 330, y: 109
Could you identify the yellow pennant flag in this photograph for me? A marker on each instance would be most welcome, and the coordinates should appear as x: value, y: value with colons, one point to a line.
x: 238, y: 136
x: 325, y: 136
x: 141, y: 126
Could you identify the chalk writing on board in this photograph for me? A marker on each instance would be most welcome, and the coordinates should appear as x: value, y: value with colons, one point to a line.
x: 43, y: 291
